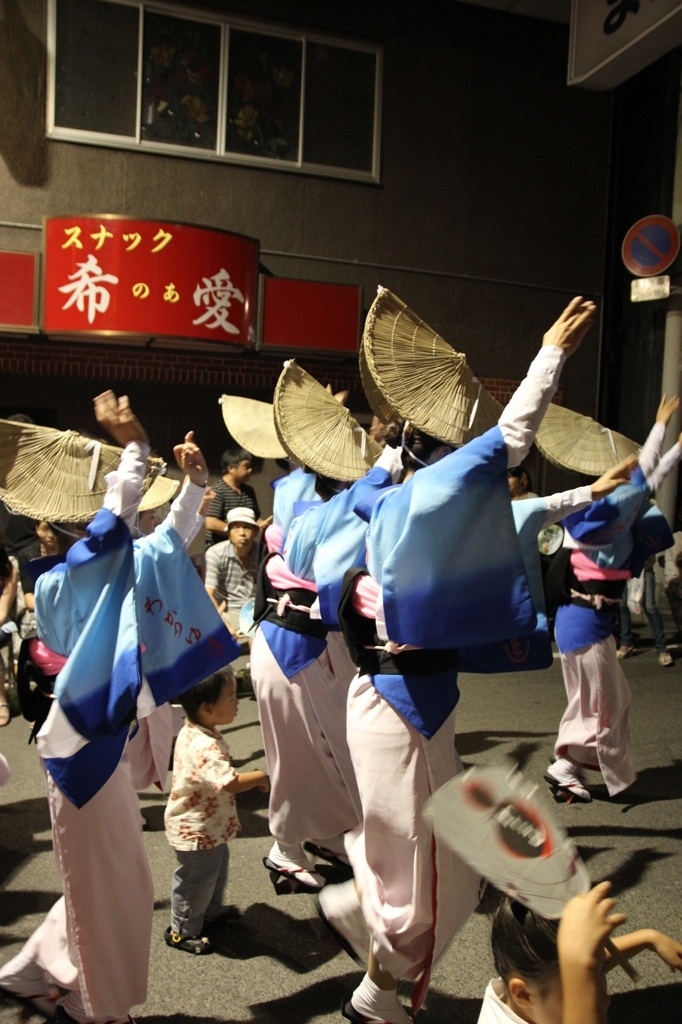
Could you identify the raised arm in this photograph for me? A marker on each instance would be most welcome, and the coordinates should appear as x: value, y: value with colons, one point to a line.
x: 124, y: 485
x: 523, y: 415
x: 184, y: 512
x: 655, y: 478
x: 586, y: 924
x: 651, y: 452
x: 562, y: 504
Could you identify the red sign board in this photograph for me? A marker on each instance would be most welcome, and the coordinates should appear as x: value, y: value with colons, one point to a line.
x: 311, y: 315
x: 651, y: 246
x: 18, y: 291
x: 116, y: 275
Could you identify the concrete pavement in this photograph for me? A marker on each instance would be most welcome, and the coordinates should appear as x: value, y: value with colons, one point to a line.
x: 279, y: 965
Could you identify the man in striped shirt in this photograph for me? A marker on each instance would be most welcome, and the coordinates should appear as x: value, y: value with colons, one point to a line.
x: 232, y: 491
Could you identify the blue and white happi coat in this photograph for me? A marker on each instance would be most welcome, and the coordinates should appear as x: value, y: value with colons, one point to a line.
x: 134, y: 620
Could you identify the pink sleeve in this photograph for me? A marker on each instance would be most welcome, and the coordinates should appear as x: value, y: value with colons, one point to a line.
x: 366, y: 593
x: 282, y: 579
x: 274, y: 538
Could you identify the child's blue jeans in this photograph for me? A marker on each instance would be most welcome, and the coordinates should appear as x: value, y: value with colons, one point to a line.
x: 198, y: 888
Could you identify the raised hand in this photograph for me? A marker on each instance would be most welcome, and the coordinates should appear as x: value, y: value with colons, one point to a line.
x: 613, y: 478
x: 118, y: 419
x: 191, y: 461
x: 586, y: 924
x: 209, y: 495
x: 666, y: 409
x: 572, y: 326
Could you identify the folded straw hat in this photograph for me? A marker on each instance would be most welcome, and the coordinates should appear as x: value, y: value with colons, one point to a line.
x: 573, y: 441
x: 252, y: 425
x: 317, y: 430
x: 421, y: 377
x: 161, y: 491
x: 57, y: 475
x: 377, y: 403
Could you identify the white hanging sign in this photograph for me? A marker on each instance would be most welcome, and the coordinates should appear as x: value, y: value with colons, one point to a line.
x: 611, y: 40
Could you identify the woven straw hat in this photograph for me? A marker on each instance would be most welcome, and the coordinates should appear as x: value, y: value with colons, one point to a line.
x: 573, y: 441
x: 57, y: 475
x: 419, y: 375
x: 161, y: 491
x: 318, y: 431
x: 377, y: 403
x: 252, y: 425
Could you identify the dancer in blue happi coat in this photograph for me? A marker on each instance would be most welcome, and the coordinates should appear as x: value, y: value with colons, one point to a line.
x: 301, y: 667
x: 606, y: 545
x: 137, y: 629
x: 447, y: 574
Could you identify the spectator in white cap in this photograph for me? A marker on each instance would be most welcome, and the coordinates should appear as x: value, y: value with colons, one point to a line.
x: 232, y: 566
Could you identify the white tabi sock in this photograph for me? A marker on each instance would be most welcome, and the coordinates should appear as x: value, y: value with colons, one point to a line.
x: 377, y: 1005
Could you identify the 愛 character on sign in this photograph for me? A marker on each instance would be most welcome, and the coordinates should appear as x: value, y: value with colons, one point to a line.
x: 216, y: 295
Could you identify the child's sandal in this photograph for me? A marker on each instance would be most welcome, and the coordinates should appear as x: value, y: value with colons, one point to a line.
x: 197, y: 944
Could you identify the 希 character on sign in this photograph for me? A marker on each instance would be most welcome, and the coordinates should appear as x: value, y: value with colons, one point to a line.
x: 88, y: 282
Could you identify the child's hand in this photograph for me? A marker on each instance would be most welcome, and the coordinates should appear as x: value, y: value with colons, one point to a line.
x: 585, y: 926
x: 668, y: 949
x: 264, y: 787
x: 666, y: 409
x: 118, y: 419
x: 190, y: 459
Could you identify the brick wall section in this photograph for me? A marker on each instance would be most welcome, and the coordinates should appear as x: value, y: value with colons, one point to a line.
x: 235, y: 370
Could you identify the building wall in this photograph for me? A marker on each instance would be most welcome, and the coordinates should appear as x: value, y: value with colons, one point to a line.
x: 489, y: 217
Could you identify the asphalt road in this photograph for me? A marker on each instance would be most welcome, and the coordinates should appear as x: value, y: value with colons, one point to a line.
x: 279, y: 965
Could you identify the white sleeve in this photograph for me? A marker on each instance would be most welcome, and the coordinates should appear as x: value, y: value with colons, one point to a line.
x: 183, y: 515
x: 565, y: 502
x: 391, y: 460
x: 124, y: 484
x: 522, y: 417
x: 655, y: 478
x: 651, y: 452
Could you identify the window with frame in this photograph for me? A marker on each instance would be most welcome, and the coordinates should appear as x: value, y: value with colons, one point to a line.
x: 163, y: 78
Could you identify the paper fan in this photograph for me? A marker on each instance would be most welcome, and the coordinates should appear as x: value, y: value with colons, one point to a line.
x: 493, y: 820
x: 318, y: 431
x: 422, y: 377
x: 573, y: 441
x: 57, y: 475
x: 162, y: 490
x: 252, y: 425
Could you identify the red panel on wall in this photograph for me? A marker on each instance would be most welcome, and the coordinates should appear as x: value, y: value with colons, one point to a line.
x: 18, y: 291
x: 310, y: 314
x: 115, y: 275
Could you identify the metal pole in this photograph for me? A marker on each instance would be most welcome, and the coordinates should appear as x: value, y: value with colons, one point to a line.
x: 666, y: 495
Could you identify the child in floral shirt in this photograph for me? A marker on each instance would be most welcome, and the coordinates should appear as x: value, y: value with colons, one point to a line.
x: 201, y: 816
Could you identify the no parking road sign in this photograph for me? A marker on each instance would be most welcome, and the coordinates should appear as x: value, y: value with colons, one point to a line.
x: 650, y: 246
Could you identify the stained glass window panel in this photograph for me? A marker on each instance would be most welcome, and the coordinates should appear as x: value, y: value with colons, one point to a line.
x: 181, y: 67
x: 263, y: 95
